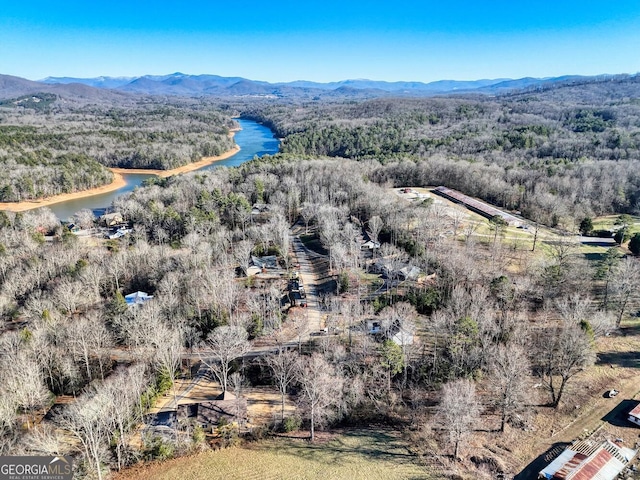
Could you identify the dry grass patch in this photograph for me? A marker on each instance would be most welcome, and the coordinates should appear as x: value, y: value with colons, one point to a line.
x: 356, y: 454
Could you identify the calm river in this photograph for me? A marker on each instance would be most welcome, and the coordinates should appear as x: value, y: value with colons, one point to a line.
x: 254, y: 140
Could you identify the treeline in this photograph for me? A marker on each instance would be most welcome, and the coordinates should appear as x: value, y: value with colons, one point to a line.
x: 556, y: 155
x: 51, y: 147
x: 36, y: 175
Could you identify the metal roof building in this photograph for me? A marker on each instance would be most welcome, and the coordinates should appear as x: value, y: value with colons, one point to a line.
x: 477, y: 206
x: 589, y: 460
x: 634, y: 415
x: 137, y: 298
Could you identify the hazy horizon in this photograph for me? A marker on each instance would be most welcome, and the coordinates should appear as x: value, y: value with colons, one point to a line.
x: 321, y: 41
x: 409, y: 80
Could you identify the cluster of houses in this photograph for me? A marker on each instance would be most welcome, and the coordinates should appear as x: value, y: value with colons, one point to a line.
x: 110, y: 225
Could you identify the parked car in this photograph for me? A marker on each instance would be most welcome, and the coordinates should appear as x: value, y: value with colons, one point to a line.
x: 612, y: 393
x: 296, y: 299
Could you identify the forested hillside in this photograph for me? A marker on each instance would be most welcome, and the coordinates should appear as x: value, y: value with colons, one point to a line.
x: 487, y: 320
x: 557, y: 154
x: 49, y: 145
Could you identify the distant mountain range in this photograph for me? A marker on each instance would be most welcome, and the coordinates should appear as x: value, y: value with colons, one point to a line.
x: 11, y: 87
x: 181, y: 84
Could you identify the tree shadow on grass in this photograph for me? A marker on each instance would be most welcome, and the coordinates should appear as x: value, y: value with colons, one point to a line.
x: 618, y: 415
x: 531, y: 471
x: 373, y: 444
x: 620, y: 359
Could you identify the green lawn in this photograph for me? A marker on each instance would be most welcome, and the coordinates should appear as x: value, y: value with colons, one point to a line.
x: 354, y: 455
x: 608, y: 223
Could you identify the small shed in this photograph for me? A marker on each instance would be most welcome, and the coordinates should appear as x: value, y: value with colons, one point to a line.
x: 269, y: 262
x: 253, y: 270
x: 403, y: 337
x: 209, y: 413
x: 370, y: 245
x: 634, y: 415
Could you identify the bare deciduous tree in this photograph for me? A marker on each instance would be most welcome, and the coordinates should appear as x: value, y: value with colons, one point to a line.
x: 225, y: 343
x: 375, y: 227
x: 283, y: 366
x: 89, y: 420
x: 89, y: 339
x: 320, y: 389
x: 510, y: 369
x: 561, y: 353
x: 574, y: 308
x: 624, y: 286
x: 242, y: 254
x: 122, y: 392
x: 168, y: 344
x: 602, y: 323
x: 458, y: 411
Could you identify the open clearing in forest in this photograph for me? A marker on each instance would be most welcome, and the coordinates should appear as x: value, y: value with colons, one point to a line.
x: 354, y: 454
x: 608, y: 222
x: 521, y: 238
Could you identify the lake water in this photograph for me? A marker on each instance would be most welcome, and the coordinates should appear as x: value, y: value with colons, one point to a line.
x: 254, y: 140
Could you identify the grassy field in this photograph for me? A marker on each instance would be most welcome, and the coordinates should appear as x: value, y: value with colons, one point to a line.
x: 608, y: 223
x: 361, y: 454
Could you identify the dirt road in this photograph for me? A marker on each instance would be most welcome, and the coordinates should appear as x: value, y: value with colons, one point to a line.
x: 307, y: 271
x: 598, y: 414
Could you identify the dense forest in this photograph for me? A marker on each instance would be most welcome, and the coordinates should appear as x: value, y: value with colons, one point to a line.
x: 50, y: 146
x: 494, y: 318
x: 557, y: 154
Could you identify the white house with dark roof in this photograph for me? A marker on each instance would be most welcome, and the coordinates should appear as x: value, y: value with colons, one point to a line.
x: 137, y: 298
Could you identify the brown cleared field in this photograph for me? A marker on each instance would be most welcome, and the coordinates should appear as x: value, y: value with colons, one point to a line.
x: 354, y: 455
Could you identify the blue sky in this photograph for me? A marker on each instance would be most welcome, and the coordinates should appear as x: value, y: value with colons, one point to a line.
x: 320, y: 40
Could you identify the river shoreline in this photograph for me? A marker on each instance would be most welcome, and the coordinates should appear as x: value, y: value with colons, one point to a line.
x: 118, y: 182
x: 190, y: 167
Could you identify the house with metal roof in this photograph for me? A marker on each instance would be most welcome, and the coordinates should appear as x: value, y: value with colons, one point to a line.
x: 137, y: 298
x: 589, y: 460
x: 634, y: 415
